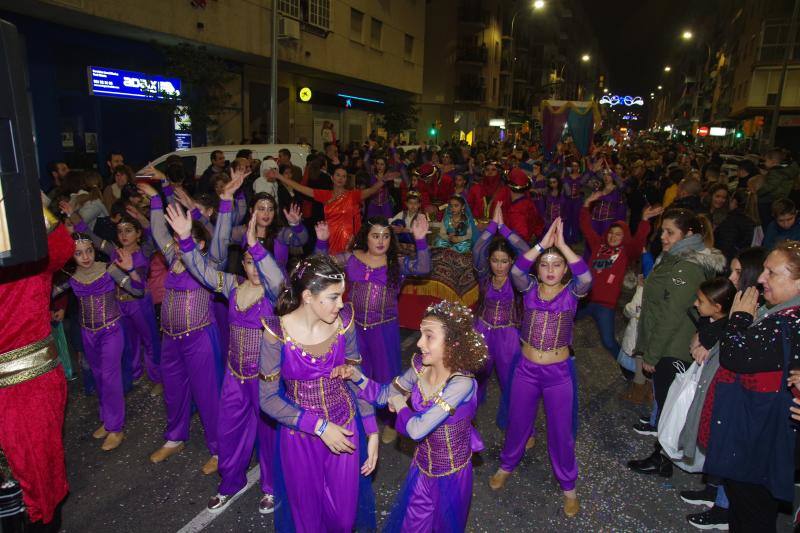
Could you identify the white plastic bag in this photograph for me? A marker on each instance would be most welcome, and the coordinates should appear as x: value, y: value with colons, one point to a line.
x: 676, y: 407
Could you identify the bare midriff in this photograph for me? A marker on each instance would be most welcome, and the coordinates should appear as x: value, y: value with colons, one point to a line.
x: 545, y: 357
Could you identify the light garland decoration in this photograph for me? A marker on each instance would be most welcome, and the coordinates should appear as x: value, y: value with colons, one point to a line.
x: 615, y: 99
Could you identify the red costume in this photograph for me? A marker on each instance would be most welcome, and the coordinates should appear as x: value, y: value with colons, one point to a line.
x: 439, y: 186
x: 33, y: 390
x: 521, y: 214
x: 483, y: 196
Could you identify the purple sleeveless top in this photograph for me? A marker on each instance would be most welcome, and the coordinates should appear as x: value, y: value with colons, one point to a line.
x: 498, y: 309
x: 448, y: 448
x: 98, y: 303
x: 547, y: 324
x: 245, y: 336
x: 306, y: 376
x: 373, y: 302
x: 607, y: 207
x: 186, y: 306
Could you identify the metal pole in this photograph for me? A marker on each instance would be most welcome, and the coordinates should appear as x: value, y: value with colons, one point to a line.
x: 273, y: 79
x: 513, y: 63
x: 776, y: 110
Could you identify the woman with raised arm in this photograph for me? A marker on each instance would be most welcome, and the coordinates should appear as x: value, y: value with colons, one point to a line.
x: 190, y: 343
x: 497, y: 318
x: 138, y: 313
x: 94, y: 283
x: 240, y: 416
x: 342, y: 206
x: 545, y: 370
x: 442, y: 391
x: 376, y: 275
x: 321, y: 484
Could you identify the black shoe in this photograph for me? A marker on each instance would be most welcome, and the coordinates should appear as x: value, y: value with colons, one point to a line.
x: 645, y: 429
x: 644, y: 419
x: 655, y: 464
x: 706, y: 497
x: 714, y: 518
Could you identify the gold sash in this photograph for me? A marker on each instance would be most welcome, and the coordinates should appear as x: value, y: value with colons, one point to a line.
x: 28, y: 362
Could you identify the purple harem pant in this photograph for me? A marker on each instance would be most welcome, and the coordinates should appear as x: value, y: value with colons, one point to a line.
x: 189, y: 374
x: 502, y: 344
x: 553, y: 384
x: 103, y: 349
x: 322, y: 488
x: 140, y: 326
x: 240, y: 422
x: 438, y: 503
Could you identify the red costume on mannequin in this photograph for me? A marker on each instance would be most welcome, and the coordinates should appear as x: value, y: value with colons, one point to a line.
x: 521, y: 214
x: 32, y: 400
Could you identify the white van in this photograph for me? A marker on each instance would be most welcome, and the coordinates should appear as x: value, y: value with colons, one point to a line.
x: 196, y: 160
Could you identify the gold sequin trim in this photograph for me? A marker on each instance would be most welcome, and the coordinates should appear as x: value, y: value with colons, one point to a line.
x: 270, y: 377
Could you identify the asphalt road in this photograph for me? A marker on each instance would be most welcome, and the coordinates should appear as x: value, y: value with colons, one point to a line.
x: 120, y: 491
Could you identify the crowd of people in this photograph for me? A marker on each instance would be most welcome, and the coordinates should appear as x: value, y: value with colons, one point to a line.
x: 266, y: 296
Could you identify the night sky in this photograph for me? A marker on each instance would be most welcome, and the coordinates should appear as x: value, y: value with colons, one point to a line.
x: 637, y: 38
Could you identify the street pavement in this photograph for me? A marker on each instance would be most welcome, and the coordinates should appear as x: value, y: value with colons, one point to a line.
x: 121, y: 492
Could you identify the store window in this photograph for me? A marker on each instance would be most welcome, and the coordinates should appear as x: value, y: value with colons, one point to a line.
x: 375, y: 33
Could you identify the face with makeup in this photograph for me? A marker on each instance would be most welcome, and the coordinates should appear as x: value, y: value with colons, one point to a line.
x: 736, y: 272
x: 326, y: 303
x: 380, y: 166
x: 551, y: 269
x: 84, y: 253
x: 500, y: 263
x: 378, y: 240
x: 431, y: 341
x: 264, y: 211
x: 127, y: 234
x: 339, y: 178
x: 250, y: 271
x: 455, y: 207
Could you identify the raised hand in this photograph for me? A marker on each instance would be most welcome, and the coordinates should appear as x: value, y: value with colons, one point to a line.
x: 177, y: 219
x: 293, y: 214
x: 419, y: 228
x: 237, y: 177
x: 153, y: 171
x: 558, y: 238
x: 652, y: 211
x: 497, y: 216
x: 252, y: 235
x: 322, y: 231
x: 66, y: 208
x: 593, y: 198
x: 183, y: 197
x: 745, y: 302
x: 136, y: 214
x: 549, y: 238
x: 146, y: 189
x: 124, y: 260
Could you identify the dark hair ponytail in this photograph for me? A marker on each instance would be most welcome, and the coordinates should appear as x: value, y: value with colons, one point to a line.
x: 315, y: 273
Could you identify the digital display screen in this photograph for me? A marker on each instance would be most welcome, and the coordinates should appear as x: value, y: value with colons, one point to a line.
x: 130, y: 84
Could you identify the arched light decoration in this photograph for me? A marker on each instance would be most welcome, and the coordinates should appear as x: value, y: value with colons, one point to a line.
x: 614, y: 99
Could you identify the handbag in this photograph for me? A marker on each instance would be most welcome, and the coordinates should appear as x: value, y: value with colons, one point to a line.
x: 752, y: 439
x: 676, y: 407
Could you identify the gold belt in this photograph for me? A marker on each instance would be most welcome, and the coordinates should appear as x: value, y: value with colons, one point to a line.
x: 28, y: 362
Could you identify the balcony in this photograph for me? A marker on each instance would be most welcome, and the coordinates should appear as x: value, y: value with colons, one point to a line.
x: 471, y: 15
x: 775, y: 40
x: 470, y: 94
x: 472, y: 55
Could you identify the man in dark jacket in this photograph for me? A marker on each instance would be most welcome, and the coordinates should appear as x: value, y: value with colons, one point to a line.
x: 688, y: 196
x: 778, y: 183
x: 735, y: 233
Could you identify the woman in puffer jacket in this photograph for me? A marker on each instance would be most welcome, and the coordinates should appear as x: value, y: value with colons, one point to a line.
x: 665, y: 329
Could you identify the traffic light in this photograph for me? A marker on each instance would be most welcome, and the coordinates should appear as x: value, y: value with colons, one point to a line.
x: 433, y: 130
x: 738, y: 134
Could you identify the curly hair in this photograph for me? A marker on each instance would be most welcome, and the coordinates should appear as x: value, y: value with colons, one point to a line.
x: 465, y: 349
x: 392, y: 259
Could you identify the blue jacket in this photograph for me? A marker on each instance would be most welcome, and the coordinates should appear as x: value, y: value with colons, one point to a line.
x: 776, y: 234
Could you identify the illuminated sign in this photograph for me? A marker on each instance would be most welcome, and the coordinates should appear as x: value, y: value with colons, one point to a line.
x: 702, y: 131
x: 497, y: 122
x: 614, y: 99
x: 183, y: 141
x: 305, y: 94
x: 129, y: 84
x: 717, y: 132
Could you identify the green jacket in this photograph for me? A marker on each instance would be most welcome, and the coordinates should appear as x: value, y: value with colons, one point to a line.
x: 665, y: 329
x: 778, y: 183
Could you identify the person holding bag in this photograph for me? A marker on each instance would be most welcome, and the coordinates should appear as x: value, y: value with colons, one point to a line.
x: 750, y: 438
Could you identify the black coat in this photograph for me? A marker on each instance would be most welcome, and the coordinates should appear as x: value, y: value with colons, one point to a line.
x: 734, y: 234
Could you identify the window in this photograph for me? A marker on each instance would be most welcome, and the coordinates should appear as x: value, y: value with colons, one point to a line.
x: 375, y: 33
x: 356, y: 25
x: 319, y: 13
x: 290, y: 8
x: 408, y: 49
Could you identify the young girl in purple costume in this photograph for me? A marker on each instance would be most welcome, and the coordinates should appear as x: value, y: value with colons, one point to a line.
x: 376, y: 275
x: 240, y: 418
x: 324, y: 433
x: 442, y: 390
x: 545, y: 369
x: 94, y: 284
x: 497, y: 318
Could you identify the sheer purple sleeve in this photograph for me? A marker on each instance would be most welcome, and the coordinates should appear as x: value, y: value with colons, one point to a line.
x: 480, y: 253
x: 222, y: 233
x: 199, y: 267
x: 293, y: 236
x: 421, y: 264
x: 365, y: 409
x: 378, y: 394
x: 269, y: 271
x: 581, y: 278
x: 514, y: 240
x: 159, y: 230
x: 121, y: 278
x: 270, y: 398
x: 519, y: 274
x: 321, y: 247
x: 240, y: 213
x: 418, y: 425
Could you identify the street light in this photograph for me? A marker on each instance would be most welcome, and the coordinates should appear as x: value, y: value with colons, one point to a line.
x: 538, y: 4
x: 687, y: 35
x: 585, y: 58
x: 659, y: 87
x: 605, y: 91
x: 667, y: 68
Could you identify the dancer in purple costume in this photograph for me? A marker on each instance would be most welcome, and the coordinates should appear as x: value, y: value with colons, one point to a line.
x: 442, y: 391
x: 240, y: 418
x: 376, y: 274
x: 94, y: 284
x: 544, y: 369
x: 190, y: 343
x: 608, y: 204
x: 138, y: 312
x: 553, y: 204
x: 573, y: 188
x: 319, y: 483
x: 380, y: 204
x: 497, y: 318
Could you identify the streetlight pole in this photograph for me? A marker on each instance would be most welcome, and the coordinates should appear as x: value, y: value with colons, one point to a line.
x: 273, y: 78
x: 537, y: 5
x: 776, y: 110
